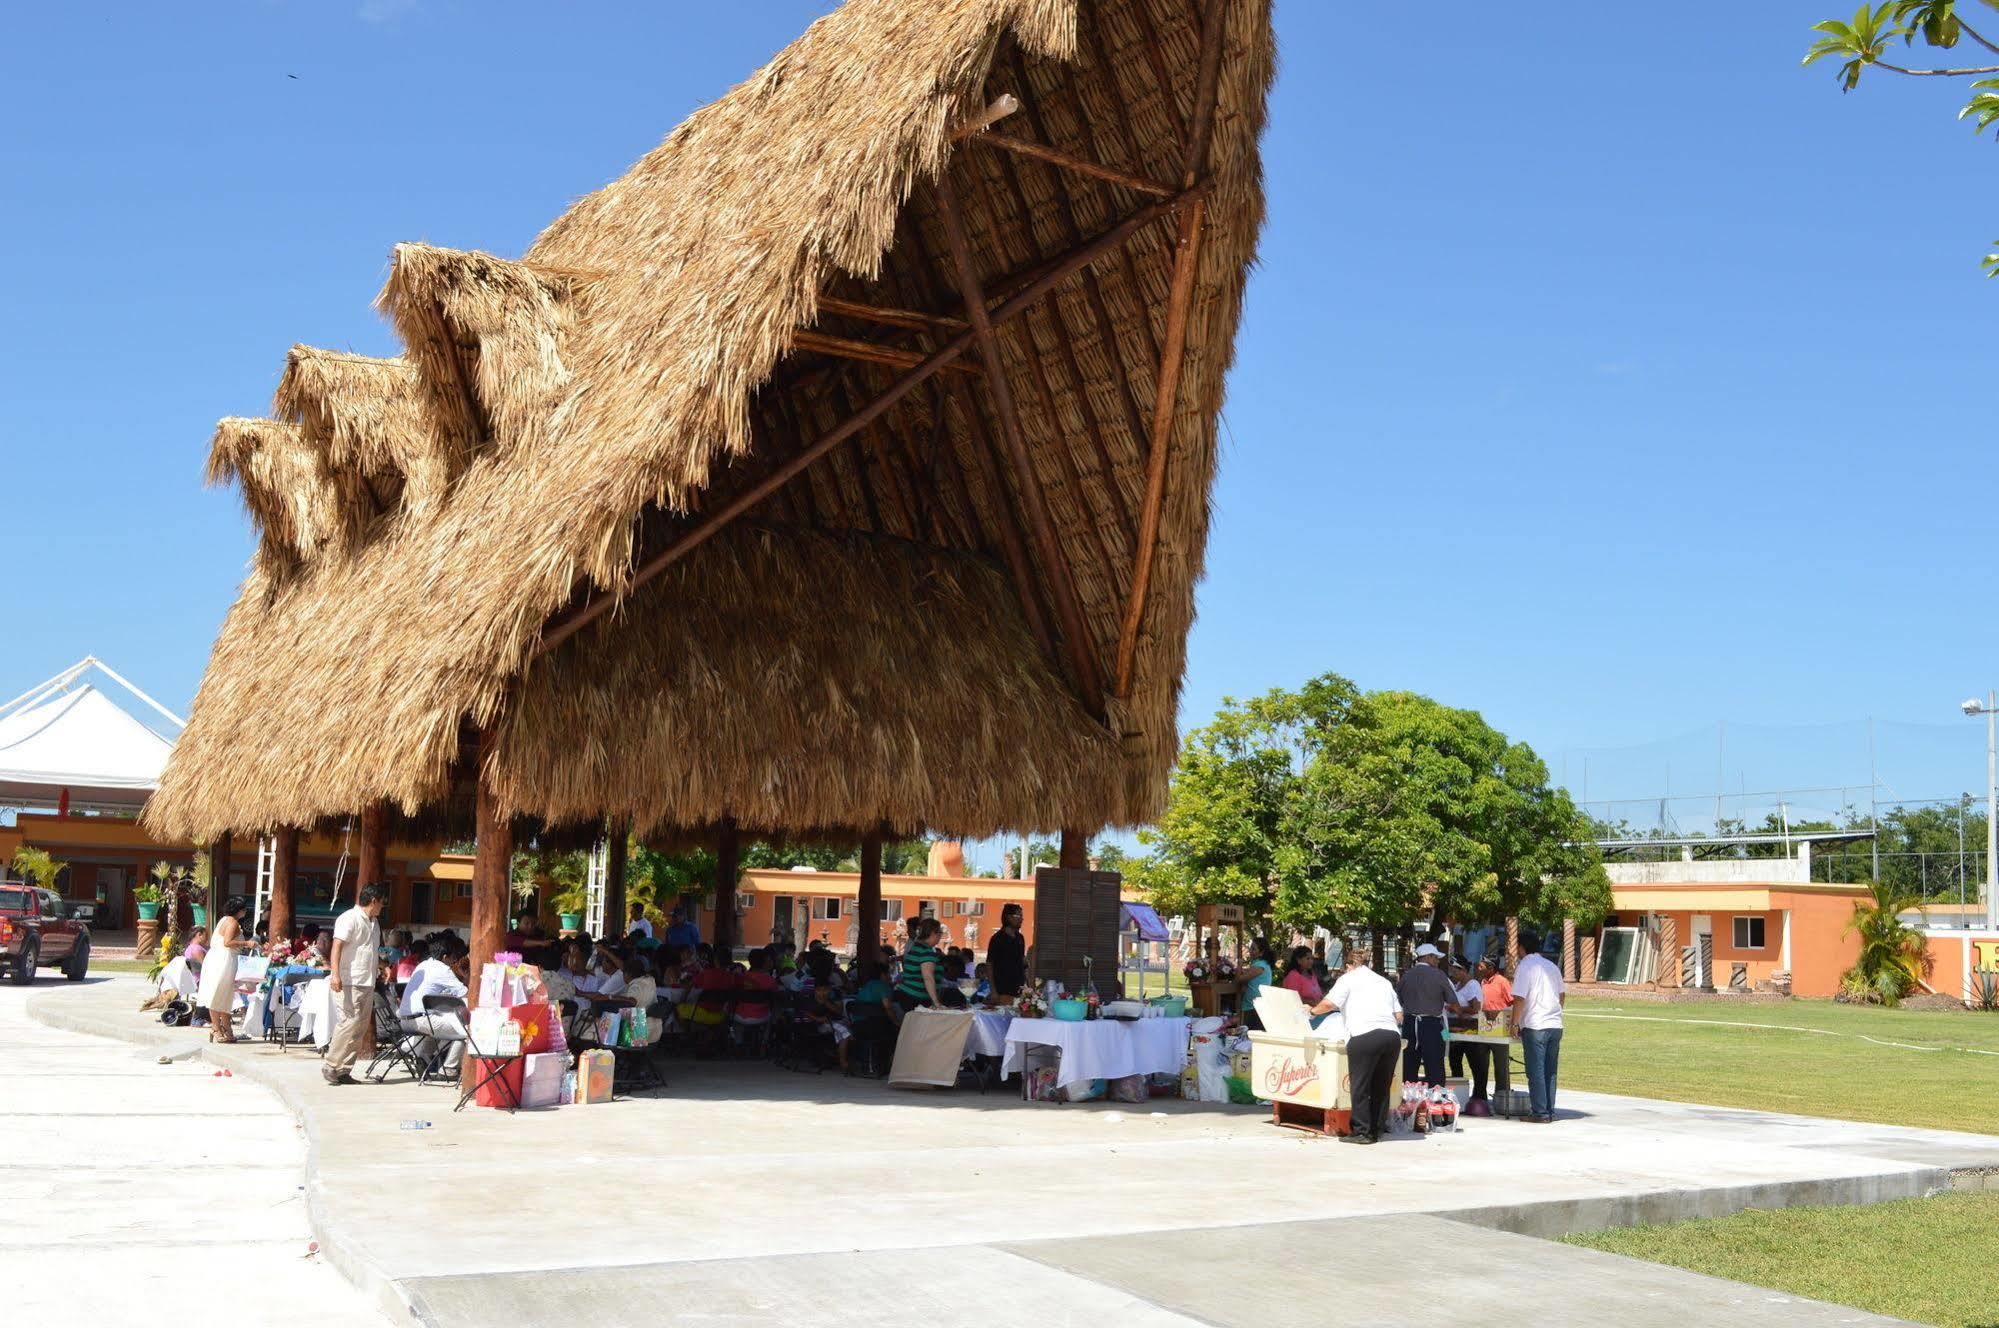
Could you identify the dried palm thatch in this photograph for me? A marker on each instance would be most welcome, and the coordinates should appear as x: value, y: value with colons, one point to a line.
x: 637, y: 372
x: 371, y: 420
x: 288, y: 488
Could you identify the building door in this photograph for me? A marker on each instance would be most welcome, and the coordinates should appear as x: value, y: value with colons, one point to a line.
x: 421, y: 902
x: 780, y: 920
x: 1703, y: 947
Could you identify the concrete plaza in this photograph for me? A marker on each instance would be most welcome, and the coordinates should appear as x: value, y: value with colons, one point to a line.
x: 744, y: 1193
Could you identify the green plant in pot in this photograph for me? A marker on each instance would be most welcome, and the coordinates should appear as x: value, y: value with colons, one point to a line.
x: 203, y: 877
x: 147, y: 897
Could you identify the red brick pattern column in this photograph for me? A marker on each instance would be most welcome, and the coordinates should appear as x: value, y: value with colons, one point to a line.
x: 1669, y: 951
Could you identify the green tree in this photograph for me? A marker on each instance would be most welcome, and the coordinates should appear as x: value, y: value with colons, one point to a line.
x: 39, y: 865
x: 1864, y: 41
x: 1038, y: 852
x: 1330, y: 806
x: 1892, y: 956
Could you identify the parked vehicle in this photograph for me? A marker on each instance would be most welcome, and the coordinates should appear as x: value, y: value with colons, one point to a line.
x: 40, y: 930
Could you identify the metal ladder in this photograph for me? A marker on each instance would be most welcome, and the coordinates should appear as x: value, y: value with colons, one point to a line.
x: 593, y: 889
x: 267, y: 867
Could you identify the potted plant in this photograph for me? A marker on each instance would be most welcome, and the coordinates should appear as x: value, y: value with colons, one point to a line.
x: 203, y: 880
x: 147, y: 897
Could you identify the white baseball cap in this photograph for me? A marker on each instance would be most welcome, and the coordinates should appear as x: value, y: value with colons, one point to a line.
x: 1428, y: 951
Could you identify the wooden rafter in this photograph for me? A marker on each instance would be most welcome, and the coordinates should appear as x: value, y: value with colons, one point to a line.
x: 913, y: 319
x: 1087, y: 675
x: 1186, y: 262
x: 1069, y: 161
x: 872, y: 352
x: 569, y: 621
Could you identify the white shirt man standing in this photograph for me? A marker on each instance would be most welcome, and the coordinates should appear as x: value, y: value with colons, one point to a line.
x: 1538, y: 997
x: 1374, y: 1039
x: 357, y: 956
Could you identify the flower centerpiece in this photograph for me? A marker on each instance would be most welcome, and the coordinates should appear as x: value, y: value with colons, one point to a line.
x: 1225, y: 970
x: 1095, y: 1002
x: 1196, y: 971
x: 1028, y: 1004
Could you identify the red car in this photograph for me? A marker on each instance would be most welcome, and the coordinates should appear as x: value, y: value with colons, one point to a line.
x: 38, y: 929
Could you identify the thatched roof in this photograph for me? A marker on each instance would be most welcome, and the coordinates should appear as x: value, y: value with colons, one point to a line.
x: 290, y: 492
x: 370, y: 419
x: 644, y: 363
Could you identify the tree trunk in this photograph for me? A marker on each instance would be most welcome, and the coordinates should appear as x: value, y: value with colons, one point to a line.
x: 284, y: 866
x: 492, y: 860
x: 868, y: 903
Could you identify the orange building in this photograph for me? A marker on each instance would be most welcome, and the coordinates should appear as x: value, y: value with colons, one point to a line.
x: 804, y: 906
x: 110, y: 856
x: 1736, y: 924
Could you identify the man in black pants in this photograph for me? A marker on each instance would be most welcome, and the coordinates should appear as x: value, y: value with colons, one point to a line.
x: 1367, y: 1002
x: 1426, y: 996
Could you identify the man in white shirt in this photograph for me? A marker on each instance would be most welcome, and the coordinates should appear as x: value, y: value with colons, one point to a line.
x: 1538, y: 997
x: 1366, y: 1000
x: 440, y: 1028
x: 357, y: 956
x: 640, y: 923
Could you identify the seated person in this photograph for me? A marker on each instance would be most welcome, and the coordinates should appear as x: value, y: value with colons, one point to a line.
x: 748, y: 1010
x: 824, y: 1026
x: 982, y: 983
x: 951, y: 991
x: 637, y: 992
x: 439, y: 1028
x: 871, y: 1011
x: 708, y: 978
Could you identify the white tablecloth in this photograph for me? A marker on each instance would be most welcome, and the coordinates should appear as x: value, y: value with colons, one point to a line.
x: 1100, y: 1048
x: 988, y: 1036
x: 315, y: 1013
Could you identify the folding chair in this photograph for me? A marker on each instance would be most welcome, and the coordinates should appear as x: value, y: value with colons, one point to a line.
x: 393, y: 1047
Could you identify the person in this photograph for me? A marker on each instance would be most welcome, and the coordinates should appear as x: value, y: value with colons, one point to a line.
x: 921, y: 976
x: 871, y: 1011
x: 408, y: 954
x: 1493, y: 982
x: 1538, y: 998
x: 639, y: 923
x: 1301, y: 975
x: 1006, y: 956
x: 519, y: 936
x: 438, y: 1028
x: 1470, y: 997
x: 197, y: 946
x: 1427, y: 998
x: 982, y: 984
x: 217, y: 993
x: 681, y: 932
x: 1366, y: 1000
x: 1256, y: 975
x: 750, y: 1012
x: 357, y: 943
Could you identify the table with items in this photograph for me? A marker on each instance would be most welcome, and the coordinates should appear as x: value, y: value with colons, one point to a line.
x: 1088, y: 1050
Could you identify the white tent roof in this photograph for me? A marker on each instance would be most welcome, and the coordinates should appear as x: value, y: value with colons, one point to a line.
x: 68, y: 734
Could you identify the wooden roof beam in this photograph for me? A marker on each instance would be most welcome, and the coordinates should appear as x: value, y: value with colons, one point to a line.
x: 1054, y: 561
x: 1186, y: 261
x: 912, y: 319
x: 567, y: 622
x: 872, y: 352
x: 1068, y: 161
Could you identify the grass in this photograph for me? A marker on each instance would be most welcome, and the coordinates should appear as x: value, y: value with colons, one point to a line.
x: 138, y: 966
x: 1894, y: 1067
x: 1923, y: 1259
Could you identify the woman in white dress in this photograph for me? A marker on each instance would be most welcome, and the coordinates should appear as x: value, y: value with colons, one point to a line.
x: 218, y: 971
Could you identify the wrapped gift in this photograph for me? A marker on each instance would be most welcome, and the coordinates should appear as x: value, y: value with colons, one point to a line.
x: 633, y: 1031
x: 492, y: 980
x: 485, y: 1027
x: 607, y: 1027
x: 541, y: 1083
x: 593, y: 1076
x: 539, y: 1027
x: 499, y: 1082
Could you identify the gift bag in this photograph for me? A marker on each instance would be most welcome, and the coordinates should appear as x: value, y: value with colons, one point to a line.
x: 541, y: 1084
x: 484, y: 1029
x: 492, y: 978
x: 539, y: 1027
x: 607, y: 1028
x: 593, y: 1076
x: 1130, y: 1088
x: 633, y: 1031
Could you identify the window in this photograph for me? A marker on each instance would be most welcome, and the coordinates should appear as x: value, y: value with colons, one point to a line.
x: 973, y: 908
x: 1749, y: 933
x: 826, y: 910
x: 891, y: 910
x: 465, y: 890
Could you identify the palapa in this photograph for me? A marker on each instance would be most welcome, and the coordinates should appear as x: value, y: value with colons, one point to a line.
x: 879, y: 638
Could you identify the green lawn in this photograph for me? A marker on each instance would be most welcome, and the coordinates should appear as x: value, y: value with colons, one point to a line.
x: 1896, y: 1067
x: 1929, y: 1260
x: 139, y: 966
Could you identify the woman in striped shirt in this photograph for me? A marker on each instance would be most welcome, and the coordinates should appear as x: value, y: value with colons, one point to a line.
x: 921, y: 966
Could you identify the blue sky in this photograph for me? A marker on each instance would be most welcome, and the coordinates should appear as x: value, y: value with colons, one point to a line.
x: 1608, y: 387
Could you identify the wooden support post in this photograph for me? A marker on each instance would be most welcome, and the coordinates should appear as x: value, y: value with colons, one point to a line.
x: 492, y: 861
x: 1668, y: 976
x: 218, y: 877
x: 617, y: 842
x: 1047, y: 547
x: 868, y: 900
x: 807, y: 341
x: 1571, y: 969
x: 728, y: 850
x: 1165, y: 401
x: 284, y: 866
x: 1513, y: 955
x: 1075, y: 850
x: 372, y: 863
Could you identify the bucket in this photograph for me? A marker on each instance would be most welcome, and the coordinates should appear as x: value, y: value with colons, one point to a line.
x: 1070, y: 1010
x: 1173, y: 1007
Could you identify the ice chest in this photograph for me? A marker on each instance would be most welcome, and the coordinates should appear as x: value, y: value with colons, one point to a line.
x: 1290, y: 1062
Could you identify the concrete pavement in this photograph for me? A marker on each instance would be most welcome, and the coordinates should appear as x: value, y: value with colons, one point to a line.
x: 130, y: 1191
x: 744, y: 1192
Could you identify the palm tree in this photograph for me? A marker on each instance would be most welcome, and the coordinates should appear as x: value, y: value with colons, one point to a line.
x: 1893, y: 957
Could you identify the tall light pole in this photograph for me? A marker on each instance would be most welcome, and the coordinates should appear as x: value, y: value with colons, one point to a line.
x: 1990, y: 709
